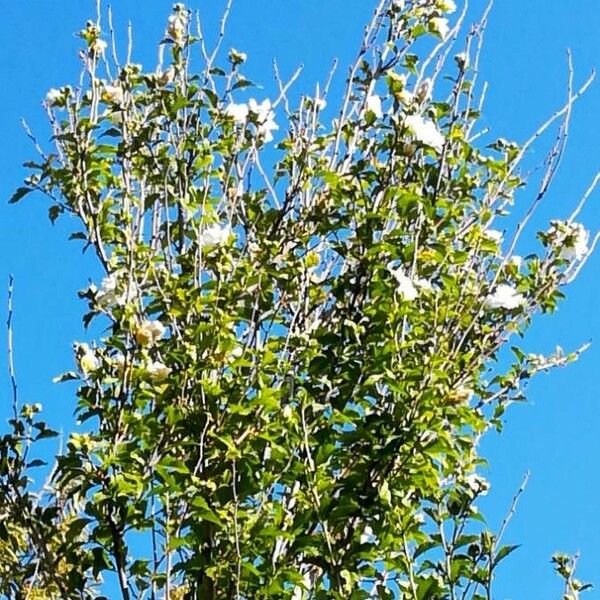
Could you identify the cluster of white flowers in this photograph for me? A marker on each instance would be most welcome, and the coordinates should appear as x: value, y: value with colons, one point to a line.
x: 149, y: 332
x: 540, y: 362
x: 409, y: 287
x: 111, y: 292
x: 425, y: 131
x: 505, y: 297
x: 158, y: 371
x: 215, y: 235
x: 263, y: 113
x: 177, y: 24
x: 570, y: 239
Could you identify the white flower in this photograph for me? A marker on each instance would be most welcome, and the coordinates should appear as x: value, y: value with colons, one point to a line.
x: 425, y: 131
x: 320, y: 103
x: 237, y: 57
x: 215, y: 234
x: 99, y: 46
x: 373, y: 104
x: 262, y: 111
x: 493, y: 235
x: 575, y: 246
x: 423, y: 284
x: 461, y: 395
x: 53, y: 97
x: 448, y: 6
x: 87, y: 359
x: 149, y: 332
x: 515, y: 260
x: 505, y: 296
x: 177, y: 26
x: 113, y: 94
x: 477, y: 484
x: 265, y: 118
x: 406, y: 287
x: 238, y: 112
x: 440, y: 25
x: 267, y: 128
x: 109, y: 293
x: 158, y: 371
x: 236, y: 352
x: 419, y: 518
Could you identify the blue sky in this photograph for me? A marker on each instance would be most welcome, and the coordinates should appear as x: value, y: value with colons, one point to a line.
x: 554, y: 436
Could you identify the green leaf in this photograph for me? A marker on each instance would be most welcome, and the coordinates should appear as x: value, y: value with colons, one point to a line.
x: 19, y: 194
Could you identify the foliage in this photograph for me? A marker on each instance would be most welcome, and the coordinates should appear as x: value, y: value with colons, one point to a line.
x: 297, y: 368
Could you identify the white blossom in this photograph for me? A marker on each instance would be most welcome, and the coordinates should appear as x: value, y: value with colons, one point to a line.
x: 448, y: 6
x: 266, y: 129
x: 237, y: 57
x: 461, y: 395
x: 423, y: 284
x: 262, y: 111
x: 53, y: 97
x: 113, y: 94
x: 406, y: 287
x: 516, y: 260
x: 373, y: 104
x: 477, y: 484
x: 238, y: 112
x: 440, y: 25
x: 426, y: 131
x: 265, y: 118
x: 177, y: 26
x: 215, y: 234
x: 158, y: 371
x: 110, y: 291
x: 149, y: 332
x: 493, y: 235
x: 574, y: 242
x: 99, y: 46
x: 505, y: 296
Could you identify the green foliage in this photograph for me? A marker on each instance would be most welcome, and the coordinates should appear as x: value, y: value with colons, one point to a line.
x: 298, y: 368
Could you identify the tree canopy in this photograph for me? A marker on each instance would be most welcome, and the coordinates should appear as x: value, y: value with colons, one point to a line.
x: 307, y: 326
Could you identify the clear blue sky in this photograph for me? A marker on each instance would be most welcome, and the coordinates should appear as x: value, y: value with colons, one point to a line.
x: 555, y: 435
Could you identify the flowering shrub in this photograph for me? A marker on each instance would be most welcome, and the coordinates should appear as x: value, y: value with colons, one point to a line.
x: 294, y: 380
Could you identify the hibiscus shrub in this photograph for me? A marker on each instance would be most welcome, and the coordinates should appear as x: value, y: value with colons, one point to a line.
x: 301, y: 328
